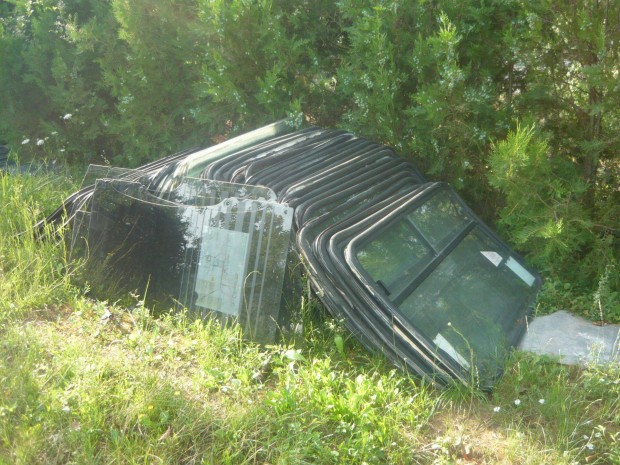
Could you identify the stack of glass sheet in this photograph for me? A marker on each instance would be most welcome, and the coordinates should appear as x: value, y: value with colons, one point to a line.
x: 408, y: 267
x: 211, y: 247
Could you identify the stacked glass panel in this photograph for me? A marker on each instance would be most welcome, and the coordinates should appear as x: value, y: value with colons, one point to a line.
x: 408, y: 267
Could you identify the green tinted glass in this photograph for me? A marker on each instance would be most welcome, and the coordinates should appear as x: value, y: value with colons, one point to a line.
x: 400, y: 252
x: 439, y: 219
x: 396, y: 257
x: 470, y: 304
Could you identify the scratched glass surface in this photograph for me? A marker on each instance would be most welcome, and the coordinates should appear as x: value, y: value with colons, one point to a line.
x: 226, y: 259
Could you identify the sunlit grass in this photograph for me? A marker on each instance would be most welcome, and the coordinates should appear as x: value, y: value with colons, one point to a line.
x: 32, y: 272
x: 86, y: 381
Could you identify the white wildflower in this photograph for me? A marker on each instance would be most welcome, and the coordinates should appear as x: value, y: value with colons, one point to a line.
x: 517, y: 402
x: 541, y: 401
x: 496, y: 409
x: 40, y: 142
x: 25, y: 141
x: 590, y: 446
x: 54, y: 133
x: 597, y: 435
x: 67, y: 116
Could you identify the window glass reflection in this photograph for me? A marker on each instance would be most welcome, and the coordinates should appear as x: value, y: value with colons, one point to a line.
x: 439, y: 219
x: 470, y: 304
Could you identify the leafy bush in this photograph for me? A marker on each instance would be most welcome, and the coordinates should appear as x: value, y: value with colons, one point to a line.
x: 442, y: 82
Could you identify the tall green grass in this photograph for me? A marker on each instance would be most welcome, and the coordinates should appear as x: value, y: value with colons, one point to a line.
x: 91, y: 382
x: 32, y: 272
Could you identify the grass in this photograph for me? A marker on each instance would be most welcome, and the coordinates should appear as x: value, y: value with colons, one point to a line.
x: 87, y: 382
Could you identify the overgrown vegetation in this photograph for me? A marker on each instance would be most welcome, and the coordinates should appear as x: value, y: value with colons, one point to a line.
x: 514, y: 102
x: 93, y: 382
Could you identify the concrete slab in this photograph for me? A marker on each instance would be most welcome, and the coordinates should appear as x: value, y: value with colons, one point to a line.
x: 574, y: 340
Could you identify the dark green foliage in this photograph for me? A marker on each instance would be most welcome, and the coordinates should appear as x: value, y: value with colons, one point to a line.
x: 152, y: 79
x: 428, y: 79
x: 561, y: 181
x: 516, y: 103
x: 51, y: 81
x: 267, y: 60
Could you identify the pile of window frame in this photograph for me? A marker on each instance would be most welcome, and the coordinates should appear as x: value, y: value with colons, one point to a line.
x: 404, y: 263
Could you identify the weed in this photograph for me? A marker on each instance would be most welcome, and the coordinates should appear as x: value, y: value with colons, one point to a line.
x: 87, y: 381
x: 606, y: 298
